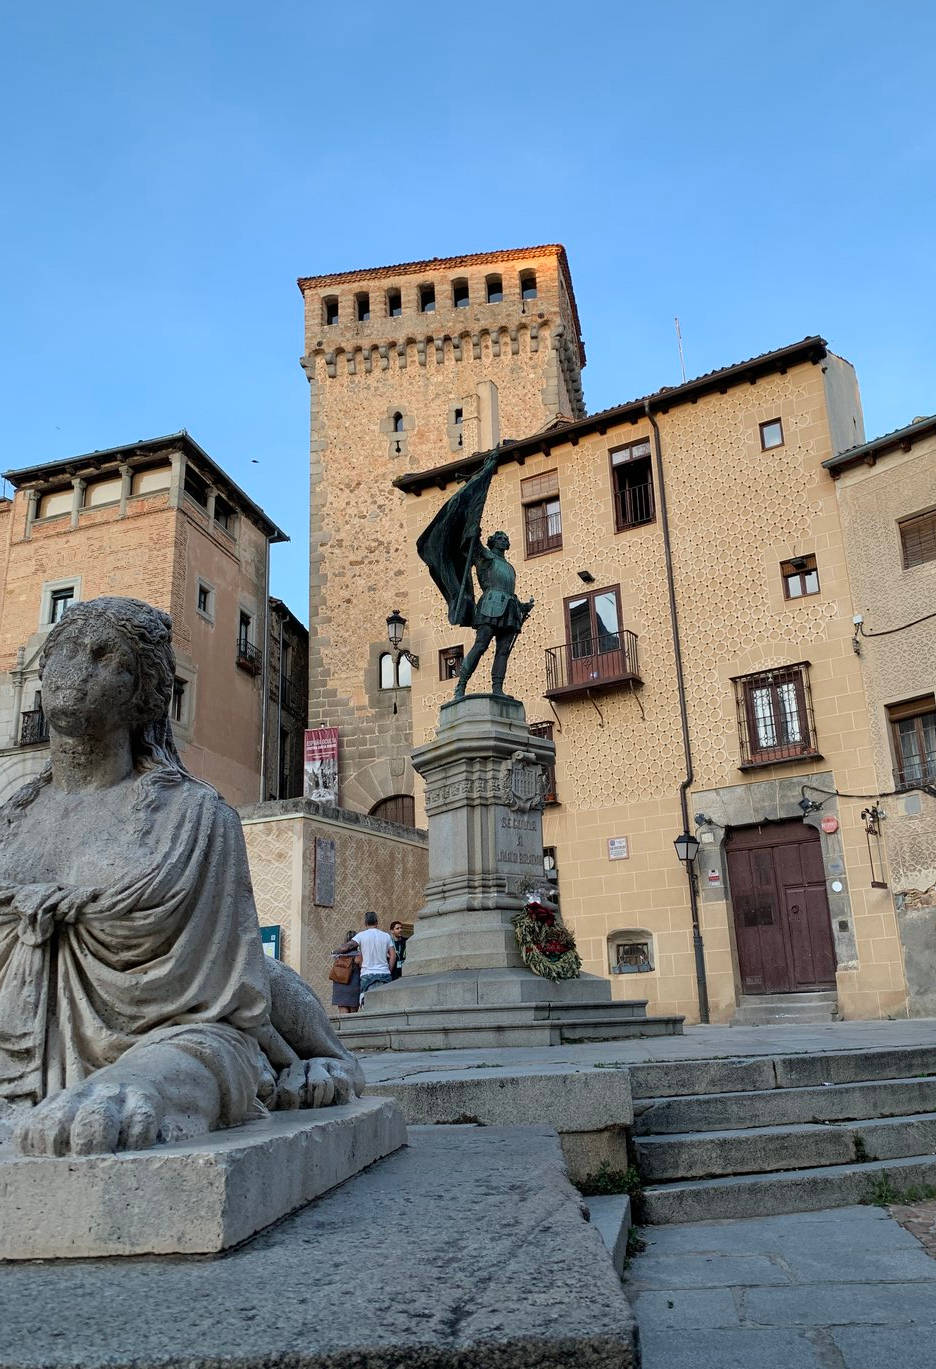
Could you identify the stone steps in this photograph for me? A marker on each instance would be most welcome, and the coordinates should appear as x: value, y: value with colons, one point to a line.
x: 363, y: 1032
x: 759, y: 1136
x: 786, y: 1106
x: 754, y: 1150
x: 761, y: 1010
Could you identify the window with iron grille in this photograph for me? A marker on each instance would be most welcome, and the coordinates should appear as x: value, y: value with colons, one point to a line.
x: 913, y: 731
x: 632, y: 485
x: 630, y: 952
x: 450, y: 660
x: 775, y: 715
x: 546, y: 730
x: 542, y: 513
x: 918, y: 539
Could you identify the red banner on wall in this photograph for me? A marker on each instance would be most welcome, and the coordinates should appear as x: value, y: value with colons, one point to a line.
x: 321, y: 764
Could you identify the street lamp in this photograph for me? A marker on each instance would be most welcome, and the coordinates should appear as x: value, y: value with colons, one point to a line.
x: 396, y: 626
x: 687, y: 848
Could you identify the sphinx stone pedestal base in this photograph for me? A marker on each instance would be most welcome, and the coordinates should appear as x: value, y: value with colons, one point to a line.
x: 197, y: 1197
x: 465, y: 983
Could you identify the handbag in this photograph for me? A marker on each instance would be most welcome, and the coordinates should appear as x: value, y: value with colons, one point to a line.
x: 342, y: 969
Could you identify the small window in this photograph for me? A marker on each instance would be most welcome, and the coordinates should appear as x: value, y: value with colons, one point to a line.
x: 495, y: 290
x: 913, y: 731
x: 918, y: 539
x: 56, y: 502
x: 427, y: 299
x: 178, y: 700
x: 330, y: 310
x: 632, y: 485
x: 394, y: 673
x: 800, y: 577
x: 460, y: 295
x: 546, y: 730
x: 196, y: 487
x: 528, y: 285
x: 771, y: 434
x: 224, y: 514
x: 60, y: 600
x: 630, y: 953
x: 362, y: 308
x: 398, y: 422
x: 243, y: 630
x: 542, y: 515
x: 387, y: 671
x: 204, y: 601
x: 775, y: 715
x: 458, y: 418
x: 450, y: 662
x: 394, y: 304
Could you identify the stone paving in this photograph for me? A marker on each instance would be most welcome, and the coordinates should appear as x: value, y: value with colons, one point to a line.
x: 698, y: 1043
x: 920, y: 1221
x: 843, y: 1289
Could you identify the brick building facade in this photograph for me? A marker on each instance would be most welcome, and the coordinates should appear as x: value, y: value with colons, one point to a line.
x: 403, y: 363
x: 160, y: 521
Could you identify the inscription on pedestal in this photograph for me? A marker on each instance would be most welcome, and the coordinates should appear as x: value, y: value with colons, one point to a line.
x: 520, y: 840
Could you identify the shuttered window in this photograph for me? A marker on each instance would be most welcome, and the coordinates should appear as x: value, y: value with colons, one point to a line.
x: 918, y: 539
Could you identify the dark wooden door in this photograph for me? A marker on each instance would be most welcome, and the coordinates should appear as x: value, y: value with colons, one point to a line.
x: 781, y: 913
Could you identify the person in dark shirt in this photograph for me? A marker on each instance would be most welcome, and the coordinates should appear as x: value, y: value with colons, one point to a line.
x: 399, y: 945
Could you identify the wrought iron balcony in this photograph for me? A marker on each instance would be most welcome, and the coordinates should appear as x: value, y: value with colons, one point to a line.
x: 543, y: 533
x: 633, y: 506
x: 249, y: 657
x: 33, y: 727
x: 592, y: 663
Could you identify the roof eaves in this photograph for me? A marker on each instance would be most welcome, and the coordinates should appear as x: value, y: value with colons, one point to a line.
x: 868, y: 452
x: 810, y: 349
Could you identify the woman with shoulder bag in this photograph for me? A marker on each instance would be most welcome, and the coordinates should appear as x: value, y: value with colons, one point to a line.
x: 345, y: 975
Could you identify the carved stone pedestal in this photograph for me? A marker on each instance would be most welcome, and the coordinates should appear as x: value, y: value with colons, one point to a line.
x: 465, y: 983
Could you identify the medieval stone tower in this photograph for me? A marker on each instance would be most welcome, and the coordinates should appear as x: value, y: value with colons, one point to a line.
x: 408, y: 367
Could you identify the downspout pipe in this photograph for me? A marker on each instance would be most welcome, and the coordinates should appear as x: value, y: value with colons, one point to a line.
x: 265, y: 675
x: 697, y: 946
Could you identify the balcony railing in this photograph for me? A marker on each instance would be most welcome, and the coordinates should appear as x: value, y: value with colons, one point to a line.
x: 33, y: 727
x: 592, y: 663
x: 249, y: 657
x: 633, y: 505
x: 543, y: 533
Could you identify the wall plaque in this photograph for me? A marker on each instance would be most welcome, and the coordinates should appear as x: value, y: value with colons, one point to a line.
x: 324, y: 872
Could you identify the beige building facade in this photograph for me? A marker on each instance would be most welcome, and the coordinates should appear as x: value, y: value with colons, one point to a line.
x: 404, y: 363
x: 690, y: 651
x: 156, y: 520
x: 886, y: 493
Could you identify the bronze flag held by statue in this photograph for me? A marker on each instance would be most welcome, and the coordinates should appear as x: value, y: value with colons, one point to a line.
x: 450, y: 546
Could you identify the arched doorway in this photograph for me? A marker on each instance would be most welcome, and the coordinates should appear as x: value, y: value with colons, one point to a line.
x: 400, y: 808
x: 781, y: 913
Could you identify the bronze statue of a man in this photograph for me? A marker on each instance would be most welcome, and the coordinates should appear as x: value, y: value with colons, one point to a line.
x: 499, y: 615
x: 451, y: 546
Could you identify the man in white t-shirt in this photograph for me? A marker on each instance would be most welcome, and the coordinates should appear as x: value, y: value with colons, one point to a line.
x: 378, y: 954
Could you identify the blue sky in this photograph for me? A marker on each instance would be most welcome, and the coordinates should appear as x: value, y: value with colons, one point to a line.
x: 763, y: 171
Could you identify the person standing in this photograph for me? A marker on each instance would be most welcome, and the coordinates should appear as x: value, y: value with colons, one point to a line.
x: 377, y: 953
x: 347, y: 997
x: 399, y: 945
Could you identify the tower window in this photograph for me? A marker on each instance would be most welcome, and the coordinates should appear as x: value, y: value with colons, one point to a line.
x: 330, y: 310
x: 427, y: 299
x: 394, y: 304
x: 458, y: 416
x: 495, y: 290
x: 397, y: 422
x: 528, y: 285
x: 460, y: 296
x: 362, y: 306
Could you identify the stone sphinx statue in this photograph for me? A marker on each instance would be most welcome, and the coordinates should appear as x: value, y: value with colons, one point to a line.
x: 136, y: 1004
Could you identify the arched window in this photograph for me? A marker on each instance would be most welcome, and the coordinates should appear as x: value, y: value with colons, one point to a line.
x: 362, y: 307
x: 387, y: 671
x: 394, y: 304
x: 330, y: 310
x: 495, y: 290
x: 397, y: 422
x: 460, y: 294
x: 528, y: 285
x: 404, y: 673
x: 427, y: 299
x: 400, y: 808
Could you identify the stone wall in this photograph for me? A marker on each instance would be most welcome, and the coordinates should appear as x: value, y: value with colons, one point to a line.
x: 290, y: 846
x: 736, y: 512
x: 509, y: 367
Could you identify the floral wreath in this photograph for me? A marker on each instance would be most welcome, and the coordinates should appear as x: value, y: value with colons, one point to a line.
x: 547, y: 948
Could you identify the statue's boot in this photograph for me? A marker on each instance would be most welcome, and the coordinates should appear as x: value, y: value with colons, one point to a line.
x: 461, y: 685
x: 497, y: 682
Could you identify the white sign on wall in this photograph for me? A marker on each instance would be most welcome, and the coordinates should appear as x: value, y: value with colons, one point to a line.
x: 617, y: 848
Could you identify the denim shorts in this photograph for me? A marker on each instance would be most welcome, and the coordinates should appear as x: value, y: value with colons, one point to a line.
x: 368, y: 979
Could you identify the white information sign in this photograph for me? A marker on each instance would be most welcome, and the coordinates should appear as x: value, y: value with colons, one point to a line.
x: 617, y: 848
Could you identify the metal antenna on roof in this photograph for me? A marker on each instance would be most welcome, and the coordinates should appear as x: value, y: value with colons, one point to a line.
x: 682, y: 359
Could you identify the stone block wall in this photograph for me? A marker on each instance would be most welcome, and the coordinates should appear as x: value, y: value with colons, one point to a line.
x: 316, y: 870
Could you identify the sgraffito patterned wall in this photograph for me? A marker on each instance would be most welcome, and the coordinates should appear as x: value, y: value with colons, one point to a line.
x: 736, y: 512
